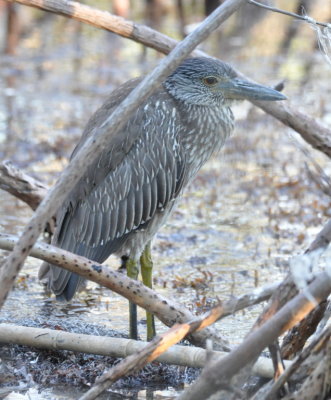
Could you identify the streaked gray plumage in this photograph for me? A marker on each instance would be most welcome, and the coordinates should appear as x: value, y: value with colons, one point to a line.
x: 124, y: 197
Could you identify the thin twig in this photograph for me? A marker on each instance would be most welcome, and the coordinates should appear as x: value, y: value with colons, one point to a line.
x: 305, y: 18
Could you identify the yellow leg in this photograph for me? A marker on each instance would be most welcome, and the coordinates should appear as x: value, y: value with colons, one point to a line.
x: 132, y: 272
x: 146, y: 264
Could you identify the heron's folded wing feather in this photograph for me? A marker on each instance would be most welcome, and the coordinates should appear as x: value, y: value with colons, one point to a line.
x: 121, y: 192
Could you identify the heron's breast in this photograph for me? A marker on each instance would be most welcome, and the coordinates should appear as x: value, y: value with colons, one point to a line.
x: 207, y: 130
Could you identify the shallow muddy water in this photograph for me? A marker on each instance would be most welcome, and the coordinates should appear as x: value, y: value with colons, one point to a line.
x: 249, y: 210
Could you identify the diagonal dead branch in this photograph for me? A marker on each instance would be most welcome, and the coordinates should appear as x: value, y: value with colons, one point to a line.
x: 312, y: 131
x: 94, y: 146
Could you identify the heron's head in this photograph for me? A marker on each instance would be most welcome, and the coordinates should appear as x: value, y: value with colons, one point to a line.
x: 209, y: 82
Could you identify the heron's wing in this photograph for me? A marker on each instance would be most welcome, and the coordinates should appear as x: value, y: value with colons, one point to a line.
x: 138, y: 175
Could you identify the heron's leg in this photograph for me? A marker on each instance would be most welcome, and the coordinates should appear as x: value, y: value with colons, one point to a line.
x: 146, y: 264
x: 132, y: 272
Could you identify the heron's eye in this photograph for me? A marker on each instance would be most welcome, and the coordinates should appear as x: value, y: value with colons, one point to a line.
x: 210, y: 80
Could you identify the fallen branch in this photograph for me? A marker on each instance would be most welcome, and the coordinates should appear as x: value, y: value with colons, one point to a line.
x: 95, y: 145
x: 51, y: 339
x: 217, y: 375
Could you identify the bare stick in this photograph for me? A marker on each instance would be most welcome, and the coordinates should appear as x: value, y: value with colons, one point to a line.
x: 311, y: 130
x: 287, y: 289
x: 78, y: 264
x: 95, y: 145
x: 218, y: 374
x: 21, y: 185
x: 52, y: 339
x: 290, y: 14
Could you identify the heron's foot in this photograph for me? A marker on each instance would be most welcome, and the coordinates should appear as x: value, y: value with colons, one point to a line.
x: 132, y: 272
x: 146, y: 264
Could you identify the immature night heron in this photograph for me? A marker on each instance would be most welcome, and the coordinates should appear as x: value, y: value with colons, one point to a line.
x: 129, y: 192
